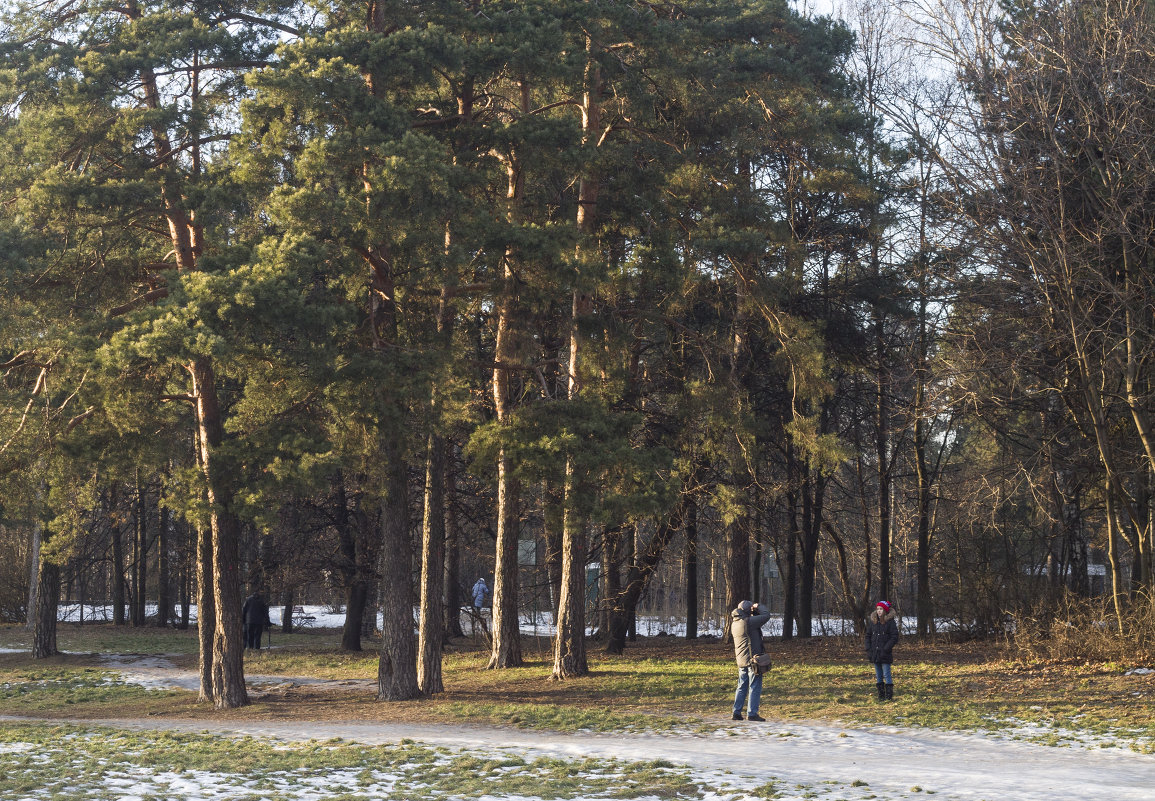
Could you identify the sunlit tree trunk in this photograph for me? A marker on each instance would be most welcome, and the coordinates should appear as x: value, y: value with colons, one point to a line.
x: 228, y: 643
x: 569, y: 656
x: 506, y: 643
x: 430, y: 630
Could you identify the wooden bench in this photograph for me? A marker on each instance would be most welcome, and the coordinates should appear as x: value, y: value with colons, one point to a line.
x: 302, y: 618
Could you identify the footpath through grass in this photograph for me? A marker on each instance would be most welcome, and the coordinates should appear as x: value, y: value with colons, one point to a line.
x: 659, y: 684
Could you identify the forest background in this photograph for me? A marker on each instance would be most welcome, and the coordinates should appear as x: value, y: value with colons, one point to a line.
x: 373, y: 297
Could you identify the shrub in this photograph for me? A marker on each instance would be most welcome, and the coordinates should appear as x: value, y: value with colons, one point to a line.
x: 1088, y: 629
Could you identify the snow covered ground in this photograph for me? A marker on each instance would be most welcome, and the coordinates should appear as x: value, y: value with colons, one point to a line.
x: 734, y: 761
x: 740, y: 760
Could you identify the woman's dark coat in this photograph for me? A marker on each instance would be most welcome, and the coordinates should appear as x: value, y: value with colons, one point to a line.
x: 881, y: 635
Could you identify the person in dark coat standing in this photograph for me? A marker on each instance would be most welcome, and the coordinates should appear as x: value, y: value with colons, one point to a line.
x: 254, y: 617
x: 881, y: 636
x: 746, y: 624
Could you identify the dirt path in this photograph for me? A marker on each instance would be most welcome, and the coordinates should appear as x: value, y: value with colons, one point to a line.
x: 893, y: 762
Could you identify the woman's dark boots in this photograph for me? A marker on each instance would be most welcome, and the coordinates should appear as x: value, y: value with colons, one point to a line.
x: 881, y: 690
x: 889, y: 692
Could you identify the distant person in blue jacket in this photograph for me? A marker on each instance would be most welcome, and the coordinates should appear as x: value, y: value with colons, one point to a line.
x: 478, y: 593
x: 480, y: 590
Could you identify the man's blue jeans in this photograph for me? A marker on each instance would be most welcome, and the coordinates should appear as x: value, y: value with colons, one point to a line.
x: 749, y: 683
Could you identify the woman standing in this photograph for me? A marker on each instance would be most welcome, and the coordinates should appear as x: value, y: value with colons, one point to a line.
x: 881, y: 635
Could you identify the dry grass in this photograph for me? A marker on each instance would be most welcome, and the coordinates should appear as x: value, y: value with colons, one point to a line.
x: 658, y: 683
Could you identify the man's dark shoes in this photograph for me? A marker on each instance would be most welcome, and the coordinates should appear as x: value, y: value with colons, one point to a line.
x: 757, y: 718
x: 737, y: 716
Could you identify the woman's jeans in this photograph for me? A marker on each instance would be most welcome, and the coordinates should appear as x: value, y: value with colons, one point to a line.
x: 749, y: 683
x: 882, y: 673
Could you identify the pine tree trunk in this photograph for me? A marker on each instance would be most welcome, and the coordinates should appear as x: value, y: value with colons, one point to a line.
x: 356, y: 596
x: 33, y: 578
x: 348, y: 568
x: 611, y: 609
x: 164, y: 600
x: 790, y: 580
x: 506, y: 649
x: 228, y: 679
x: 552, y: 517
x: 140, y: 553
x: 809, y: 552
x: 569, y: 654
x: 882, y: 441
x: 47, y: 607
x: 227, y: 669
x: 691, y: 528
x: 431, y: 624
x: 569, y: 659
x: 118, y: 589
x: 633, y: 560
x: 430, y: 631
x: 397, y: 667
x: 736, y: 571
x: 506, y: 636
x: 624, y: 625
x: 368, y: 551
x: 453, y: 599
x: 187, y: 571
x: 923, y: 604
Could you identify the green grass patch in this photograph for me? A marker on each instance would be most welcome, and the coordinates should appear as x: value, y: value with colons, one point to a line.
x: 104, y: 638
x: 49, y: 689
x: 318, y: 660
x: 658, y: 684
x: 559, y: 718
x: 72, y: 686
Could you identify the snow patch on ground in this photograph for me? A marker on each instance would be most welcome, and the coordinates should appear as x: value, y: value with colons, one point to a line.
x: 736, y: 761
x: 1121, y: 739
x: 16, y: 748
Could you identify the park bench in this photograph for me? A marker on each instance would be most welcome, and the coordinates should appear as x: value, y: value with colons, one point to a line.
x: 301, y: 617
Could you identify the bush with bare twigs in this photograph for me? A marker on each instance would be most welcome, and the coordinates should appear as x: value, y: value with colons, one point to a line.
x: 1087, y: 629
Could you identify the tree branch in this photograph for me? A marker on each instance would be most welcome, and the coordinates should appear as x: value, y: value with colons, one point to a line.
x: 147, y: 297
